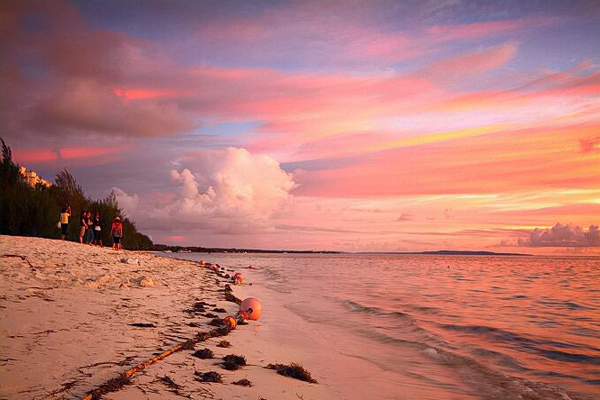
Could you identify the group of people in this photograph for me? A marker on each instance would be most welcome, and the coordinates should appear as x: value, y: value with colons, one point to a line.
x: 90, y: 228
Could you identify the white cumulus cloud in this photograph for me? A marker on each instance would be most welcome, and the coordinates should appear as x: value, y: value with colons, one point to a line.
x: 218, y: 189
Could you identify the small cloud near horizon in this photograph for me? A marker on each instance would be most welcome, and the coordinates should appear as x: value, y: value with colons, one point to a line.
x: 406, y: 217
x: 560, y: 235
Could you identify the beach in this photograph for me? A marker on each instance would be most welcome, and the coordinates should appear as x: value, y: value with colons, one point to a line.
x: 68, y: 325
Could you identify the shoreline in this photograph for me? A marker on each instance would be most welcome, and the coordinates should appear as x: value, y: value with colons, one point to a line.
x: 67, y: 311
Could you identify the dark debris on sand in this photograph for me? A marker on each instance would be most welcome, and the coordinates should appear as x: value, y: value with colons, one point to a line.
x: 224, y: 343
x: 198, y: 307
x: 112, y: 385
x: 243, y: 382
x: 208, y: 377
x: 293, y: 371
x: 142, y: 325
x: 220, y: 310
x: 210, y: 315
x: 204, y: 353
x: 231, y: 298
x: 216, y: 322
x: 189, y: 345
x: 169, y: 382
x: 233, y: 362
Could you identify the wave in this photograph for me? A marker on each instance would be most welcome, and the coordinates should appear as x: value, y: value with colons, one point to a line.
x: 490, y: 383
x: 357, y: 307
x: 532, y: 345
x: 494, y: 385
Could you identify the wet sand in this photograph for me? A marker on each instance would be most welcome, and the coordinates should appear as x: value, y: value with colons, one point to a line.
x: 66, y: 327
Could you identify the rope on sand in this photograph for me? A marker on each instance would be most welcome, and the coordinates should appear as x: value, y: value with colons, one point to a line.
x: 123, y: 379
x: 114, y: 384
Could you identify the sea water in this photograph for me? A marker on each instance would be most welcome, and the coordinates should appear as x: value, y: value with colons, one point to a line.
x: 433, y: 327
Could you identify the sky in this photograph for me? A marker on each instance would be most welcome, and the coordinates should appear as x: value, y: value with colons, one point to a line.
x: 318, y: 125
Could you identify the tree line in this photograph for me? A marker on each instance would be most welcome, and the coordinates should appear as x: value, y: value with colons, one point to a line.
x: 34, y: 211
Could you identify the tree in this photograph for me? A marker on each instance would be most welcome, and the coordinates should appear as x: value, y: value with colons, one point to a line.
x: 34, y: 211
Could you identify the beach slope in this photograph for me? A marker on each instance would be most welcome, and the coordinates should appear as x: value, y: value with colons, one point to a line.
x: 74, y: 316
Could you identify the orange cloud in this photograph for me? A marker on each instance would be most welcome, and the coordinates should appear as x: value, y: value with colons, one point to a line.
x: 148, y: 93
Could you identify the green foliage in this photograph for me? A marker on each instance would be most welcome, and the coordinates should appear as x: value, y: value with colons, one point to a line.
x: 28, y: 211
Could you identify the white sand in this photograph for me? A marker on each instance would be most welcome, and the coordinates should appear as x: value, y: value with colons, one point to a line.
x: 65, y: 310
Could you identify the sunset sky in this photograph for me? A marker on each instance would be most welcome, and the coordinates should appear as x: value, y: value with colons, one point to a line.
x: 339, y: 125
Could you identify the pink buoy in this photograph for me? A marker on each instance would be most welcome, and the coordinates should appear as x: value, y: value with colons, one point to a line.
x: 238, y: 278
x: 252, y: 307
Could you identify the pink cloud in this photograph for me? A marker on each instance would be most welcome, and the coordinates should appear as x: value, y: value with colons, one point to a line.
x: 480, y: 29
x: 88, y: 152
x: 472, y: 63
x: 29, y: 156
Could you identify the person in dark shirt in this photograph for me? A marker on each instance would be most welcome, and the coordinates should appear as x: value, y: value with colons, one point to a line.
x: 89, y: 233
x: 82, y: 225
x: 97, y: 230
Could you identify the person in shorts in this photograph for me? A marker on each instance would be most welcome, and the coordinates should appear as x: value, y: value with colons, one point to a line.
x: 65, y: 213
x: 116, y: 231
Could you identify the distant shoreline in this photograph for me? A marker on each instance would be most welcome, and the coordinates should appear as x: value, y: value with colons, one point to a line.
x: 193, y: 249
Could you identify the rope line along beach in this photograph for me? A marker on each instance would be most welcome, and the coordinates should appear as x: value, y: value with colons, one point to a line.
x: 115, y: 384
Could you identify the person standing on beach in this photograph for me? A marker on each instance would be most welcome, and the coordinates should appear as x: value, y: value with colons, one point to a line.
x: 82, y: 226
x: 97, y: 230
x: 89, y: 233
x: 116, y: 231
x: 65, y: 213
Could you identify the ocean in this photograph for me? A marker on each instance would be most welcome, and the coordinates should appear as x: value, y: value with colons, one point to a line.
x: 432, y: 327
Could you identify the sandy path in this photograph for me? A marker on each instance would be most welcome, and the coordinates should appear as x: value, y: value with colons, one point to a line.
x: 65, y: 310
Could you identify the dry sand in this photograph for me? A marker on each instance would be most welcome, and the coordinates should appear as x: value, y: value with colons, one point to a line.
x: 65, y: 310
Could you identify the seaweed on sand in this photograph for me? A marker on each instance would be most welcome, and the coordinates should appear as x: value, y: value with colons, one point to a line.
x: 232, y: 362
x: 219, y: 310
x: 142, y: 325
x: 243, y: 382
x: 293, y: 371
x: 216, y: 322
x: 210, y: 315
x: 203, y: 354
x: 169, y: 382
x: 112, y: 385
x: 231, y: 298
x: 224, y: 343
x: 198, y: 307
x: 208, y: 377
x: 188, y: 345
